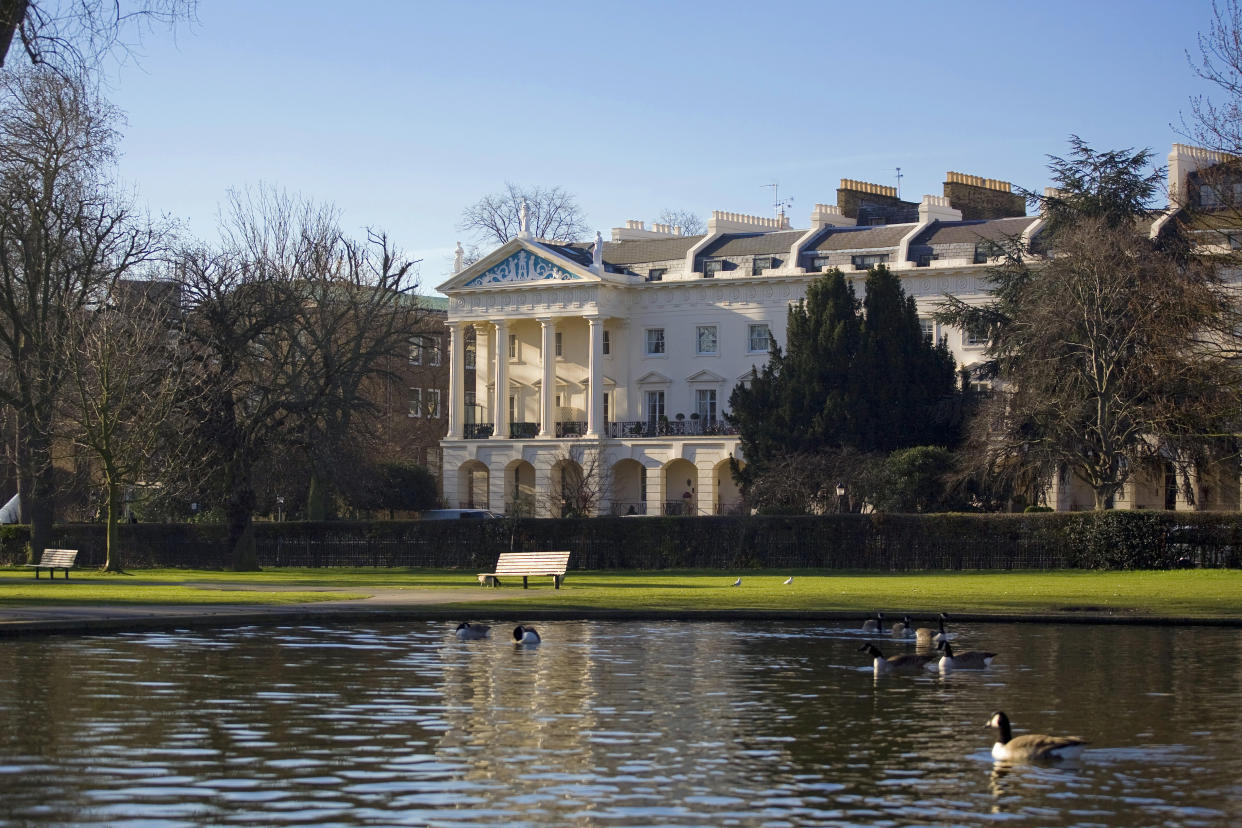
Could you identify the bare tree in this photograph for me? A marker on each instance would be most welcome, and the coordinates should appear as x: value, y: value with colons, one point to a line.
x: 288, y: 322
x: 551, y: 214
x: 582, y: 482
x: 1217, y: 124
x: 126, y: 381
x: 687, y: 221
x: 71, y: 36
x: 65, y: 238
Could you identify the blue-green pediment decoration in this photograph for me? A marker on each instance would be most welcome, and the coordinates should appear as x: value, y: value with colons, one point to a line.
x: 522, y: 266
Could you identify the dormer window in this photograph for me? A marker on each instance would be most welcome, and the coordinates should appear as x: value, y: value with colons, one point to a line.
x: 869, y: 260
x: 762, y: 263
x: 820, y: 264
x: 656, y: 274
x: 711, y: 267
x: 987, y: 251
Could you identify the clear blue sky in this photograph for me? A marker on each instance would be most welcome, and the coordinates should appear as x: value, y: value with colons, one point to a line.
x: 405, y: 112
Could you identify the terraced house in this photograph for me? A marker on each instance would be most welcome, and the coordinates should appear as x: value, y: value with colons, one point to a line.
x: 607, y: 367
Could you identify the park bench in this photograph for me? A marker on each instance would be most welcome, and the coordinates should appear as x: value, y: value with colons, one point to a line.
x: 54, y: 559
x: 526, y: 564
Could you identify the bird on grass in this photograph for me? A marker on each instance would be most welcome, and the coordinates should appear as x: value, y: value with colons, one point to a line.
x: 873, y: 624
x: 472, y: 632
x: 1030, y: 746
x: 787, y: 581
x: 972, y: 660
x: 930, y: 635
x: 738, y: 582
x: 523, y: 634
x: 905, y: 663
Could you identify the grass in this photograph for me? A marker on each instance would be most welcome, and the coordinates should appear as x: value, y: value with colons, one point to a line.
x: 1184, y: 593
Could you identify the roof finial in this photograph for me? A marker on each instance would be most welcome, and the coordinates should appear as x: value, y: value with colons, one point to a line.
x: 459, y: 259
x: 523, y: 222
x: 597, y: 253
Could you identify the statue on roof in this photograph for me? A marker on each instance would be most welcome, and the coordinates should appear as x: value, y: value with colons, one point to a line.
x: 597, y: 252
x: 459, y: 257
x: 524, y: 221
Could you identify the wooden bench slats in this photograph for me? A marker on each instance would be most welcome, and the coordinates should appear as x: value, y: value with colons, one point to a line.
x: 526, y: 564
x: 54, y: 559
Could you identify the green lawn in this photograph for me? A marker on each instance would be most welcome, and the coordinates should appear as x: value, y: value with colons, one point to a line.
x: 1197, y: 593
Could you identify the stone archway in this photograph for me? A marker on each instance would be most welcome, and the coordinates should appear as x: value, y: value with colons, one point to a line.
x: 629, y: 488
x: 681, y: 496
x: 520, y: 489
x: 473, y: 481
x: 570, y: 494
x: 728, y: 496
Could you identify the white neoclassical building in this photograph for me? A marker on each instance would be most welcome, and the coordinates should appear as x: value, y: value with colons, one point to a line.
x: 614, y: 361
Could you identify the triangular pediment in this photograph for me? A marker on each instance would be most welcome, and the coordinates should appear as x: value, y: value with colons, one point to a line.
x: 653, y: 378
x: 518, y: 262
x: 559, y: 381
x: 705, y: 376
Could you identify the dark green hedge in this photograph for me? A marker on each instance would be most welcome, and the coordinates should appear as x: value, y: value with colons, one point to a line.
x: 881, y: 542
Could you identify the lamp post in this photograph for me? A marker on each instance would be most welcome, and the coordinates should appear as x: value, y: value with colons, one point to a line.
x: 280, y: 509
x: 840, y: 497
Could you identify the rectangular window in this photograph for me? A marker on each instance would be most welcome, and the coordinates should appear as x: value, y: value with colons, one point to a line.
x: 512, y: 409
x: 416, y: 350
x: 705, y: 339
x: 513, y: 352
x: 607, y: 406
x: 760, y: 264
x: 432, y: 344
x: 655, y: 341
x: 711, y: 267
x: 607, y: 343
x: 471, y: 408
x: 869, y: 260
x: 820, y: 264
x: 656, y: 274
x: 758, y: 338
x: 416, y: 402
x: 655, y: 406
x: 470, y: 355
x: 705, y: 405
x: 560, y: 344
x: 974, y: 339
x: 929, y: 329
x: 433, y: 402
x: 986, y: 251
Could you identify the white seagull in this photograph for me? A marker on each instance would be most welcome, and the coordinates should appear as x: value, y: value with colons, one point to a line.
x: 738, y: 582
x: 788, y: 581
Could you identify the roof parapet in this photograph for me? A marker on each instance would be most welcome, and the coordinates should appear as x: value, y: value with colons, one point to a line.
x: 937, y: 208
x: 868, y: 187
x: 1185, y: 159
x: 725, y: 222
x: 638, y: 230
x: 978, y: 181
x: 830, y: 215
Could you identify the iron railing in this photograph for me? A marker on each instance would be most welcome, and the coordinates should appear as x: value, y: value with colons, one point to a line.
x: 617, y: 429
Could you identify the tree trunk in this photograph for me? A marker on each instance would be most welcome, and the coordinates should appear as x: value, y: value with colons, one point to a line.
x: 239, y: 512
x: 316, y: 498
x: 35, y: 487
x: 113, y: 549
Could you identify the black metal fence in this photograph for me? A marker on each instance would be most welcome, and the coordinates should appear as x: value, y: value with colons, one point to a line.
x: 886, y: 543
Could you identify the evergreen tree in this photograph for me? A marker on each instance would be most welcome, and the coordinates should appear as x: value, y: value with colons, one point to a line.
x: 852, y: 377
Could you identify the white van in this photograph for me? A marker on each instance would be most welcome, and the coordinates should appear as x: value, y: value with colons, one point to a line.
x: 458, y: 514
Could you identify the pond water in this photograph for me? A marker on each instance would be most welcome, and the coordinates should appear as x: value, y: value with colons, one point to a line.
x: 614, y: 724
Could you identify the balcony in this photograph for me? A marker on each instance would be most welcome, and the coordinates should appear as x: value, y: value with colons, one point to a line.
x: 617, y: 430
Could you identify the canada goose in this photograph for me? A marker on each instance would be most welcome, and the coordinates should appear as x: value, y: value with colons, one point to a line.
x: 874, y: 624
x: 523, y: 634
x: 903, y: 627
x: 905, y: 663
x: 738, y: 582
x: 1030, y: 745
x: 788, y: 581
x: 973, y: 660
x: 927, y: 635
x: 472, y: 632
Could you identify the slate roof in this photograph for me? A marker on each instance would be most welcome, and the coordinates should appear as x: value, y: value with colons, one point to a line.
x: 860, y: 238
x: 969, y: 232
x: 648, y: 250
x: 754, y: 244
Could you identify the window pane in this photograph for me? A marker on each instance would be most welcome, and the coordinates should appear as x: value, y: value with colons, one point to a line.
x: 706, y: 339
x: 655, y: 340
x: 607, y: 343
x: 416, y: 402
x: 705, y: 404
x: 759, y: 338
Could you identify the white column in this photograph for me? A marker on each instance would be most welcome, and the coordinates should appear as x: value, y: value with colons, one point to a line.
x: 547, y: 353
x: 457, y: 379
x: 483, y: 371
x: 501, y: 397
x: 595, y: 377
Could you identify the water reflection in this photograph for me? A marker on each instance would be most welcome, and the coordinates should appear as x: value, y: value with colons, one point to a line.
x: 617, y: 724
